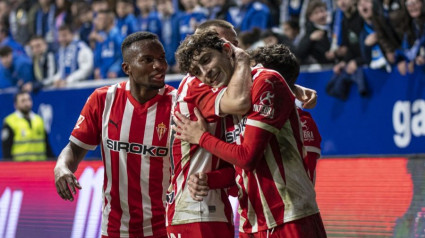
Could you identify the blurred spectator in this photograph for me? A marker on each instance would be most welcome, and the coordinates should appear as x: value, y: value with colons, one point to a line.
x: 15, y: 69
x: 274, y: 7
x: 223, y: 7
x: 99, y: 5
x: 85, y: 18
x: 387, y: 20
x: 44, y: 63
x: 148, y: 20
x: 23, y: 135
x: 414, y: 38
x: 316, y: 42
x: 6, y: 40
x: 107, y: 51
x: 192, y: 16
x: 75, y: 59
x: 349, y: 50
x: 44, y: 21
x: 250, y: 14
x: 271, y: 37
x: 170, y: 36
x: 126, y: 22
x: 291, y: 29
x: 248, y: 39
x: 19, y: 20
x: 63, y: 15
x: 370, y: 49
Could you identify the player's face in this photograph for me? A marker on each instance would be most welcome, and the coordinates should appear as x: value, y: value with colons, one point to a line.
x: 213, y: 67
x: 23, y: 103
x: 148, y: 66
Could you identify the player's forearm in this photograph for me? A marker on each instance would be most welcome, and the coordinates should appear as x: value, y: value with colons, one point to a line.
x: 244, y: 156
x: 237, y: 98
x: 71, y: 156
x: 221, y: 178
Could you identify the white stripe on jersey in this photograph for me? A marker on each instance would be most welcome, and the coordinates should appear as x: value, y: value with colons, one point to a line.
x: 217, y: 101
x: 263, y: 126
x: 267, y: 212
x: 313, y: 149
x: 110, y: 95
x: 144, y: 169
x: 82, y: 144
x: 123, y: 176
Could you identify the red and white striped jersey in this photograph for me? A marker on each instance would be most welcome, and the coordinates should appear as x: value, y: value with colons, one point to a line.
x: 187, y: 159
x: 274, y: 187
x: 312, y: 140
x: 134, y: 140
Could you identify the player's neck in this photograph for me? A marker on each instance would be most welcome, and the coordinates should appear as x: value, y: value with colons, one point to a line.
x: 143, y: 94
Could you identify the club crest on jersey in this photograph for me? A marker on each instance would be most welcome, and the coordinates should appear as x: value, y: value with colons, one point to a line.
x: 161, y: 129
x: 79, y: 121
x: 265, y: 107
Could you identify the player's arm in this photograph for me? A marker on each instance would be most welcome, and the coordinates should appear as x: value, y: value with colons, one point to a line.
x: 306, y: 95
x: 244, y: 156
x: 236, y: 99
x: 66, y: 165
x: 201, y: 183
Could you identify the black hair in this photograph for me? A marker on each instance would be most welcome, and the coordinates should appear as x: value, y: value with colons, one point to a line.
x: 135, y: 37
x: 5, y: 51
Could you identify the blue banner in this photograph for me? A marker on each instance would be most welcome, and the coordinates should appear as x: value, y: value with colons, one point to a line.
x: 389, y: 121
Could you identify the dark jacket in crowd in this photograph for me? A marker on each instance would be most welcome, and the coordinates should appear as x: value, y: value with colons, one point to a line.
x: 316, y: 49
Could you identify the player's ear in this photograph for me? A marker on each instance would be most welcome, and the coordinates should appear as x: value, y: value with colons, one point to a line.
x: 125, y: 67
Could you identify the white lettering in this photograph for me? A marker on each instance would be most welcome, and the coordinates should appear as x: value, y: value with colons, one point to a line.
x: 408, y: 120
x: 89, y: 196
x: 9, y: 217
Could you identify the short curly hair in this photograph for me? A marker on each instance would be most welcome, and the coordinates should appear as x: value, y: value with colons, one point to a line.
x: 278, y: 57
x: 193, y: 46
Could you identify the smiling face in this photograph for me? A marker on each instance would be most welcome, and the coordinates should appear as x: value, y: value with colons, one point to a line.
x: 145, y: 64
x: 414, y: 7
x: 213, y: 67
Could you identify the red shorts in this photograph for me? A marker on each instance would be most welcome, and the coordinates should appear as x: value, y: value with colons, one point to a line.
x: 201, y: 229
x: 307, y: 227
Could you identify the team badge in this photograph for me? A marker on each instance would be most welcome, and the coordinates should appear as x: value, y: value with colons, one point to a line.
x: 161, y: 129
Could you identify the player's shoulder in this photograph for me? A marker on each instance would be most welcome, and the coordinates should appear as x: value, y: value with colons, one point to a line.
x: 261, y: 75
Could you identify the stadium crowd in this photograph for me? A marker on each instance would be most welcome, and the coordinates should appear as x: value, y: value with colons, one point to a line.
x: 46, y: 43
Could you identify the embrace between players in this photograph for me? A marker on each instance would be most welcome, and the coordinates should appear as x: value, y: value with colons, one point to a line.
x: 234, y: 125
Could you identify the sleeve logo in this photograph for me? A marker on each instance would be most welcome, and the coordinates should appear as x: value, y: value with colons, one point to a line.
x: 265, y: 107
x: 79, y: 121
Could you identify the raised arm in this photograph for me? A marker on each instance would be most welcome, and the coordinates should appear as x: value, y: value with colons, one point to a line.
x: 237, y: 98
x: 67, y: 164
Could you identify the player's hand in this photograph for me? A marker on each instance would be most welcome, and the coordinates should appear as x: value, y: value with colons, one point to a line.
x: 198, y: 186
x: 307, y: 96
x: 187, y: 130
x: 66, y: 182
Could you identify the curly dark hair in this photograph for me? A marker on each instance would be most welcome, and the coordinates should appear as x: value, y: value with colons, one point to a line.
x: 193, y: 46
x: 278, y: 57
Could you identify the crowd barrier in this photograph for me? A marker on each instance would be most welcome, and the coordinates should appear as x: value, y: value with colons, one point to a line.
x: 389, y: 121
x: 357, y: 197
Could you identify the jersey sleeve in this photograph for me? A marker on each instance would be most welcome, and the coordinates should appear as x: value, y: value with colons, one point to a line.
x: 311, y: 135
x: 272, y: 102
x: 87, y: 130
x: 207, y: 100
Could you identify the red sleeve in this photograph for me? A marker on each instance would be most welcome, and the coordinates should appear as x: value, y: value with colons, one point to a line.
x: 205, y: 98
x: 87, y: 130
x: 222, y: 178
x: 311, y: 135
x: 244, y: 156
